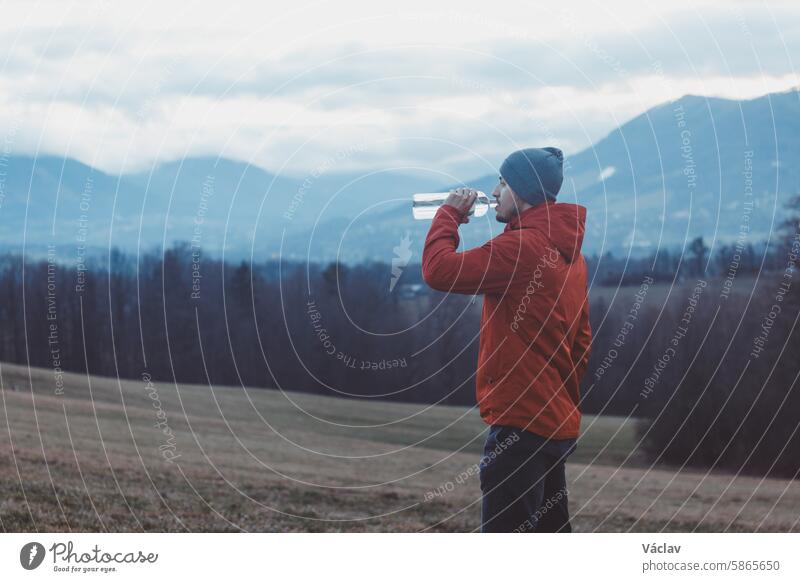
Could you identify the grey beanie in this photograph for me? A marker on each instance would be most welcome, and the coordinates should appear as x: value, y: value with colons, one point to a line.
x: 535, y: 174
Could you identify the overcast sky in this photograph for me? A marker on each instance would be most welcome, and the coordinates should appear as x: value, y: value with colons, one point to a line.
x: 445, y: 86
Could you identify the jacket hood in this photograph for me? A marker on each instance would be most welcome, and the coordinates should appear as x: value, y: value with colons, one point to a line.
x: 562, y: 223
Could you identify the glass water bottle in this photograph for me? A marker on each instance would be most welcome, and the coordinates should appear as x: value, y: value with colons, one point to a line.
x: 425, y: 204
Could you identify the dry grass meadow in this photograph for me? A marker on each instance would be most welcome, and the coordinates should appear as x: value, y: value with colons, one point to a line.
x: 260, y: 460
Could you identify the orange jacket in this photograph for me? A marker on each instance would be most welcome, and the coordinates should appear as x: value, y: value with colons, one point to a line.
x: 535, y: 335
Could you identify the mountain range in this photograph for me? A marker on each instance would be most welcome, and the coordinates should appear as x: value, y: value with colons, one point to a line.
x: 698, y: 166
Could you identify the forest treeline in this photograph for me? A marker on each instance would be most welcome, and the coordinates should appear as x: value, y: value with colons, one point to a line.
x: 707, y: 355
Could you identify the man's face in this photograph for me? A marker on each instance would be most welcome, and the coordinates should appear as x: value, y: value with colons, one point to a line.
x: 508, y: 203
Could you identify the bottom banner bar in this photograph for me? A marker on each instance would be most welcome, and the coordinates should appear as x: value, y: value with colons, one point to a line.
x: 354, y: 557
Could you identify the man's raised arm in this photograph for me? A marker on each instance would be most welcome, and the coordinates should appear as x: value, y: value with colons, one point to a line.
x: 486, y: 269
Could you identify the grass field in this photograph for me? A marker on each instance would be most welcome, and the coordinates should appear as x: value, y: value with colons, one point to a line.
x: 260, y: 460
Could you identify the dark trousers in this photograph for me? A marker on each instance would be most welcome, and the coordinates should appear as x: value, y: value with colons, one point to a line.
x: 523, y: 482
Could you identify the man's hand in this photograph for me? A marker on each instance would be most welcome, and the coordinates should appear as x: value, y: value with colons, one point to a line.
x: 462, y: 199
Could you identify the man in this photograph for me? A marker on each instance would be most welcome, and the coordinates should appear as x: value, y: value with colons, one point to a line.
x: 534, y: 336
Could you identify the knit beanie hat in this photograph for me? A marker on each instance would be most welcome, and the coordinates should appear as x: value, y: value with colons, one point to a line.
x: 535, y: 174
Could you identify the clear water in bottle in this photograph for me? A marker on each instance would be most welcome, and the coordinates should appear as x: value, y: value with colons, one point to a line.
x: 425, y: 204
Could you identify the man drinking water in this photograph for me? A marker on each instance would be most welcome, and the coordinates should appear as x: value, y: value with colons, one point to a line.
x: 534, y: 336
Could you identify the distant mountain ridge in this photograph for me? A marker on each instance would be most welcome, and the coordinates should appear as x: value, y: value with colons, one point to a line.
x: 698, y: 166
x: 223, y: 205
x: 694, y: 167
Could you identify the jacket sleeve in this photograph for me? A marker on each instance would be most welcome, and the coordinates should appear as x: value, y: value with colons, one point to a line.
x: 486, y: 269
x: 582, y: 345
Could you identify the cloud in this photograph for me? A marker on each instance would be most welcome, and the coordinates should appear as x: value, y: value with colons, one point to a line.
x: 453, y: 85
